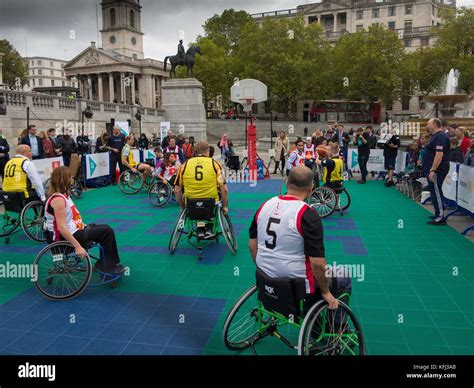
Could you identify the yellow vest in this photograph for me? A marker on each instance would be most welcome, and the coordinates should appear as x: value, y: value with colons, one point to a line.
x: 130, y: 159
x: 15, y: 178
x: 199, y: 178
x: 336, y: 174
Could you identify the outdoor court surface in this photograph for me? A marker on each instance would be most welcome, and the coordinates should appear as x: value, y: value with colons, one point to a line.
x: 408, y: 276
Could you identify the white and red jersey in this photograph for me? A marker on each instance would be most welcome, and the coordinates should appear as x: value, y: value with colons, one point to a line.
x: 296, y: 158
x: 281, y: 247
x: 168, y: 172
x: 309, y: 152
x: 73, y: 218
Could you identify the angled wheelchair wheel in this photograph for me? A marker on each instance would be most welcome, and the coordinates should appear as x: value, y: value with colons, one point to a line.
x: 32, y: 221
x: 9, y: 222
x: 323, y: 200
x: 344, y: 200
x: 283, y: 188
x: 61, y: 274
x: 76, y: 189
x: 46, y: 184
x: 130, y: 182
x: 327, y: 332
x: 159, y: 194
x: 178, y: 230
x: 227, y: 231
x: 242, y: 326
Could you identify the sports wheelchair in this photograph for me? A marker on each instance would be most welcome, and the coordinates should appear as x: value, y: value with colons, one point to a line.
x: 76, y: 190
x: 272, y: 305
x: 132, y: 182
x: 62, y: 275
x: 200, y: 219
x: 19, y: 211
x: 159, y: 194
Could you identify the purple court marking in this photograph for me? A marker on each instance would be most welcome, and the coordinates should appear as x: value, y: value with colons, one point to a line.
x: 263, y: 186
x: 123, y: 225
x: 342, y: 223
x: 352, y: 245
x: 20, y: 250
x: 165, y: 227
x: 114, y: 212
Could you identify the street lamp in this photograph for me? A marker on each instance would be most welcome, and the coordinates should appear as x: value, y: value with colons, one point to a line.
x: 138, y: 116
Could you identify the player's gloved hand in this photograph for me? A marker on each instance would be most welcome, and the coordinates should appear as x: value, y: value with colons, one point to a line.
x: 333, y: 303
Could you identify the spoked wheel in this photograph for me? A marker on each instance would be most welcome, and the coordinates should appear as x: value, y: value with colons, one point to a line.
x: 327, y: 332
x: 323, y: 200
x: 159, y: 194
x: 344, y: 200
x: 46, y: 185
x: 227, y: 231
x: 283, y: 188
x: 130, y: 182
x: 76, y: 189
x: 241, y: 327
x: 177, y: 231
x: 32, y: 221
x: 61, y: 274
x: 417, y: 189
x: 9, y: 222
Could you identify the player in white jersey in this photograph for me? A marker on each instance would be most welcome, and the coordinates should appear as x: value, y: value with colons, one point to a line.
x: 309, y: 150
x: 286, y: 237
x: 296, y: 157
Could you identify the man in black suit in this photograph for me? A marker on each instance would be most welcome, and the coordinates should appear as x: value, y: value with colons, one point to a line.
x: 35, y: 142
x: 342, y: 139
x: 4, y: 150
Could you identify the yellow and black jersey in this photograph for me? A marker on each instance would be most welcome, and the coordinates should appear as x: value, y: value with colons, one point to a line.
x: 15, y: 178
x: 127, y: 154
x: 333, y: 169
x: 200, y: 177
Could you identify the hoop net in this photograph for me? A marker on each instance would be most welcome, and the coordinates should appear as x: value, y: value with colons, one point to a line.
x: 246, y: 103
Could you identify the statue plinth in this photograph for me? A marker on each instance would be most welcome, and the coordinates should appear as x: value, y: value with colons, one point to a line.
x: 184, y: 108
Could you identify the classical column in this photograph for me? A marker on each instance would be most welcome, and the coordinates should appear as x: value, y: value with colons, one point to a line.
x: 132, y: 89
x: 100, y: 86
x: 89, y: 87
x: 334, y: 27
x: 111, y: 88
x: 1, y: 66
x: 122, y: 88
x: 152, y: 88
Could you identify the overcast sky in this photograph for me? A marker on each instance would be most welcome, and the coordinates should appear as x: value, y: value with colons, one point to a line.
x: 43, y: 27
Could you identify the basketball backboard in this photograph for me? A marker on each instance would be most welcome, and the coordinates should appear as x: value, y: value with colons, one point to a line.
x: 248, y: 89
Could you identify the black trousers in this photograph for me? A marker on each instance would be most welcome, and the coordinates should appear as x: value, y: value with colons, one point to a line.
x: 114, y: 159
x: 103, y: 235
x: 363, y: 159
x: 436, y: 193
x: 3, y: 162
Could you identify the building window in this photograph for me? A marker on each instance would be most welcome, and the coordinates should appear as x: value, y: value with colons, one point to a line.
x: 51, y: 64
x: 40, y: 82
x: 132, y: 19
x: 33, y: 81
x: 63, y: 83
x: 408, y: 25
x: 406, y: 102
x: 112, y: 16
x: 51, y: 72
x: 62, y: 74
x: 39, y: 62
x: 375, y: 13
x: 32, y: 63
x: 391, y: 25
x: 360, y: 15
x: 407, y: 42
x: 392, y: 11
x: 40, y: 72
x: 408, y: 9
x: 359, y: 27
x: 52, y: 82
x: 425, y: 42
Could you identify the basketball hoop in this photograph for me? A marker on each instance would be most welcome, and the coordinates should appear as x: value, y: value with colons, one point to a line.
x: 246, y: 103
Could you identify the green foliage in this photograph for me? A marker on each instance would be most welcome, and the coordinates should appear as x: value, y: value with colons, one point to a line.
x: 13, y: 65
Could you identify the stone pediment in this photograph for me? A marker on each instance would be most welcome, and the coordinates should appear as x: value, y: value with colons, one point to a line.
x: 325, y: 7
x: 92, y: 57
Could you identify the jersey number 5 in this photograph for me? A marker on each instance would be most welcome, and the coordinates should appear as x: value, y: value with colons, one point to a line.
x: 198, y: 173
x: 272, y: 244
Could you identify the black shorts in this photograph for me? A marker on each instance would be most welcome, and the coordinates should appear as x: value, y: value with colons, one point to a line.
x: 390, y: 162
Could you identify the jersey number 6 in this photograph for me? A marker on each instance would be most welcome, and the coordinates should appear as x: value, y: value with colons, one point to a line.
x: 198, y: 173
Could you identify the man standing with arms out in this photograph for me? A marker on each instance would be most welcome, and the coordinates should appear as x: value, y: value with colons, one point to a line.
x: 21, y: 175
x: 34, y: 142
x: 116, y: 142
x: 362, y: 141
x: 4, y: 150
x: 390, y: 151
x: 436, y: 167
x: 286, y: 238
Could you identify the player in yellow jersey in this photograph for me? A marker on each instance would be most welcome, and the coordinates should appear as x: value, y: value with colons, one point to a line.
x: 129, y: 161
x: 333, y: 167
x: 201, y: 177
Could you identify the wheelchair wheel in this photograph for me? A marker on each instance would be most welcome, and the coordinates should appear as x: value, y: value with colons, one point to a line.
x: 241, y: 327
x: 283, y: 188
x: 9, y: 222
x: 76, y: 189
x: 177, y: 231
x: 130, y: 182
x: 227, y: 231
x: 46, y: 185
x: 327, y: 332
x: 32, y: 221
x: 324, y: 201
x: 416, y: 191
x: 344, y: 200
x: 61, y: 274
x: 159, y: 194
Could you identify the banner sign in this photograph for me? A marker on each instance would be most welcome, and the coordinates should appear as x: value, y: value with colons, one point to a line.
x: 165, y: 126
x: 148, y: 154
x: 466, y: 187
x: 376, y: 160
x: 450, y: 182
x: 124, y: 127
x: 136, y: 154
x: 97, y: 165
x: 46, y: 166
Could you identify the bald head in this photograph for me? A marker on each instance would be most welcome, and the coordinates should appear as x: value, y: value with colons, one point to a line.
x: 201, y: 148
x: 300, y: 180
x: 24, y: 150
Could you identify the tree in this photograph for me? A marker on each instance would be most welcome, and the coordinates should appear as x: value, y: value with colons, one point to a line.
x: 13, y: 65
